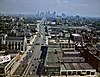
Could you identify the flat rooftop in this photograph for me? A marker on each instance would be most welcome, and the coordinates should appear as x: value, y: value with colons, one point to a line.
x: 68, y: 50
x: 53, y: 58
x: 4, y: 59
x: 15, y: 38
x: 73, y: 59
x: 76, y: 66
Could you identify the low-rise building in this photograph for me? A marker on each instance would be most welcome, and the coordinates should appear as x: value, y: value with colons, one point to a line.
x: 52, y: 62
x: 64, y: 55
x: 77, y: 69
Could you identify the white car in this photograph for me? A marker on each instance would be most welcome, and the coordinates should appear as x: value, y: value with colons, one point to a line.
x: 30, y: 72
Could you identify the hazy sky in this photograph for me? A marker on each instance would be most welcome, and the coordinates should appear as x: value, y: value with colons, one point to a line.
x: 70, y: 7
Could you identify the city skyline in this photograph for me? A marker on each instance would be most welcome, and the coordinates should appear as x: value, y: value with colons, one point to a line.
x: 70, y: 7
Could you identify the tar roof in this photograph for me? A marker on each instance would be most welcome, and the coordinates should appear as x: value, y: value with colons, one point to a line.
x: 76, y: 66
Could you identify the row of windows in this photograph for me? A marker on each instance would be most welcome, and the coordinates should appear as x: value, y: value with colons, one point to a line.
x: 74, y: 60
x: 81, y: 73
x: 12, y: 43
x: 67, y: 44
x: 15, y: 47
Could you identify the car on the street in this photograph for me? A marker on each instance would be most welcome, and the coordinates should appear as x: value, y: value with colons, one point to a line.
x: 30, y: 73
x: 37, y: 58
x: 35, y: 66
x: 32, y: 64
x: 33, y: 70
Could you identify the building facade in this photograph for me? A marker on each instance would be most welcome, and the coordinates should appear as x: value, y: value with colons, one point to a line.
x: 16, y: 43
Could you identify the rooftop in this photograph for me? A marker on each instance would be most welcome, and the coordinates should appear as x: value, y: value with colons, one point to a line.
x: 73, y: 59
x: 76, y: 66
x: 79, y: 27
x: 53, y: 58
x: 15, y: 38
x: 4, y: 59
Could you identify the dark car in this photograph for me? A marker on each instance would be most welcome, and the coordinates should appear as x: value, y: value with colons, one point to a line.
x: 35, y: 66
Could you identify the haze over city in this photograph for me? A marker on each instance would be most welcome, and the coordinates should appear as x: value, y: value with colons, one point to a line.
x: 70, y: 7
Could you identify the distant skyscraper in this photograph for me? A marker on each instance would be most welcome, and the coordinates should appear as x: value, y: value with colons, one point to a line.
x: 63, y: 15
x: 54, y: 14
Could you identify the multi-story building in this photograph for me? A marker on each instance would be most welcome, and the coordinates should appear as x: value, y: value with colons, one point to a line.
x: 77, y: 69
x: 92, y: 56
x: 66, y: 63
x: 52, y: 62
x: 16, y: 43
x: 63, y: 59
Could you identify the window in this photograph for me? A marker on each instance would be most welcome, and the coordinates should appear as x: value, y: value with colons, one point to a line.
x: 63, y: 73
x: 92, y: 73
x: 69, y: 72
x: 83, y: 73
x: 88, y: 72
x: 12, y: 45
x: 18, y: 45
x: 74, y: 73
x: 9, y: 45
x: 79, y: 72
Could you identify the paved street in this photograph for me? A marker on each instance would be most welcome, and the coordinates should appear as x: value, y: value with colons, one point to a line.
x: 29, y: 64
x: 37, y: 53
